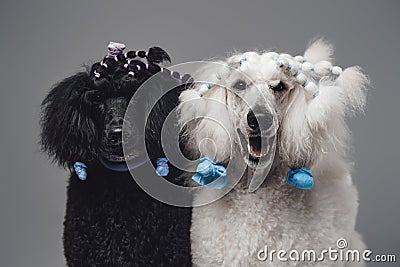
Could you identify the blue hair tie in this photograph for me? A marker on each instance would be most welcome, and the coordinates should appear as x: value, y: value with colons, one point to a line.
x: 301, y: 178
x: 162, y: 167
x: 210, y: 174
x: 242, y: 59
x: 80, y: 170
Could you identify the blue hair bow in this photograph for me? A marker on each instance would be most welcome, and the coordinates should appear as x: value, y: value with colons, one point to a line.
x: 301, y: 178
x: 80, y: 170
x: 210, y: 174
x: 162, y: 167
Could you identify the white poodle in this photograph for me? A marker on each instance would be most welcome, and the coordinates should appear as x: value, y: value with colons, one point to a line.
x: 285, y: 118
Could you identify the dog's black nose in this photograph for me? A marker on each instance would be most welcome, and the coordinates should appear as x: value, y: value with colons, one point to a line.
x: 262, y: 120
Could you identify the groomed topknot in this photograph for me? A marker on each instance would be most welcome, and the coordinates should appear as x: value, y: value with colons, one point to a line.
x: 128, y: 67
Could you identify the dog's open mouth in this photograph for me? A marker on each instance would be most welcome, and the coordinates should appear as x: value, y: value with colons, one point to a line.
x: 255, y: 147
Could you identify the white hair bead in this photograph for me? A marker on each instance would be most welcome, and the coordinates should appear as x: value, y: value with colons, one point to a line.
x: 203, y: 89
x: 311, y: 88
x: 192, y: 94
x: 285, y: 55
x: 299, y: 58
x: 337, y: 70
x: 307, y: 66
x: 272, y: 54
x: 322, y: 67
x: 301, y: 78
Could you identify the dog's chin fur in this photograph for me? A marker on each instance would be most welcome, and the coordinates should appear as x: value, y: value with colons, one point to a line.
x: 118, y: 157
x: 311, y: 133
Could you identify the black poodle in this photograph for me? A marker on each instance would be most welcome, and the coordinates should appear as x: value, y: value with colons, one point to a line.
x: 110, y: 220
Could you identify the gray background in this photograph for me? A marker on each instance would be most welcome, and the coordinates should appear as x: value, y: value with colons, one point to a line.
x: 45, y: 41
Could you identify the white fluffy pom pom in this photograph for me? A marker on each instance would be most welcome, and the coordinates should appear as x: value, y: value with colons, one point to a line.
x: 307, y: 66
x: 322, y: 67
x: 299, y: 58
x: 285, y: 55
x: 311, y: 88
x: 271, y: 54
x: 337, y: 70
x: 301, y: 78
x: 203, y: 89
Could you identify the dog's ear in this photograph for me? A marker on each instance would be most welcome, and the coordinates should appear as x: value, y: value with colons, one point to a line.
x: 316, y: 127
x: 68, y: 131
x: 318, y: 50
x: 206, y: 118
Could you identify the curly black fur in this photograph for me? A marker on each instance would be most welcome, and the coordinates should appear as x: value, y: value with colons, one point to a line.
x: 110, y: 220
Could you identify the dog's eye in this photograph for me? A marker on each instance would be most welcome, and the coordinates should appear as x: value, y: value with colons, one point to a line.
x: 279, y: 87
x: 240, y: 85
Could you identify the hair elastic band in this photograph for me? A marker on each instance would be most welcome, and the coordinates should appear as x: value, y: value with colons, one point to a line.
x: 210, y: 174
x: 162, y: 167
x: 301, y: 178
x: 96, y: 74
x: 80, y: 170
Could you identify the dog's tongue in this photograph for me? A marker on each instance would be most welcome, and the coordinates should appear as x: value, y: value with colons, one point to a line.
x: 261, y: 172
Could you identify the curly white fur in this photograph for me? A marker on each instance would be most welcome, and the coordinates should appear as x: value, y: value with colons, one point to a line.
x: 312, y: 133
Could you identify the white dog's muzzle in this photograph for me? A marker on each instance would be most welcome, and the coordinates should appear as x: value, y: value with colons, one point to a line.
x: 257, y: 137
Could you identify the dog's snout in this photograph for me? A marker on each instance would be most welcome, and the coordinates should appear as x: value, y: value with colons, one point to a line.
x: 259, y: 122
x: 115, y: 131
